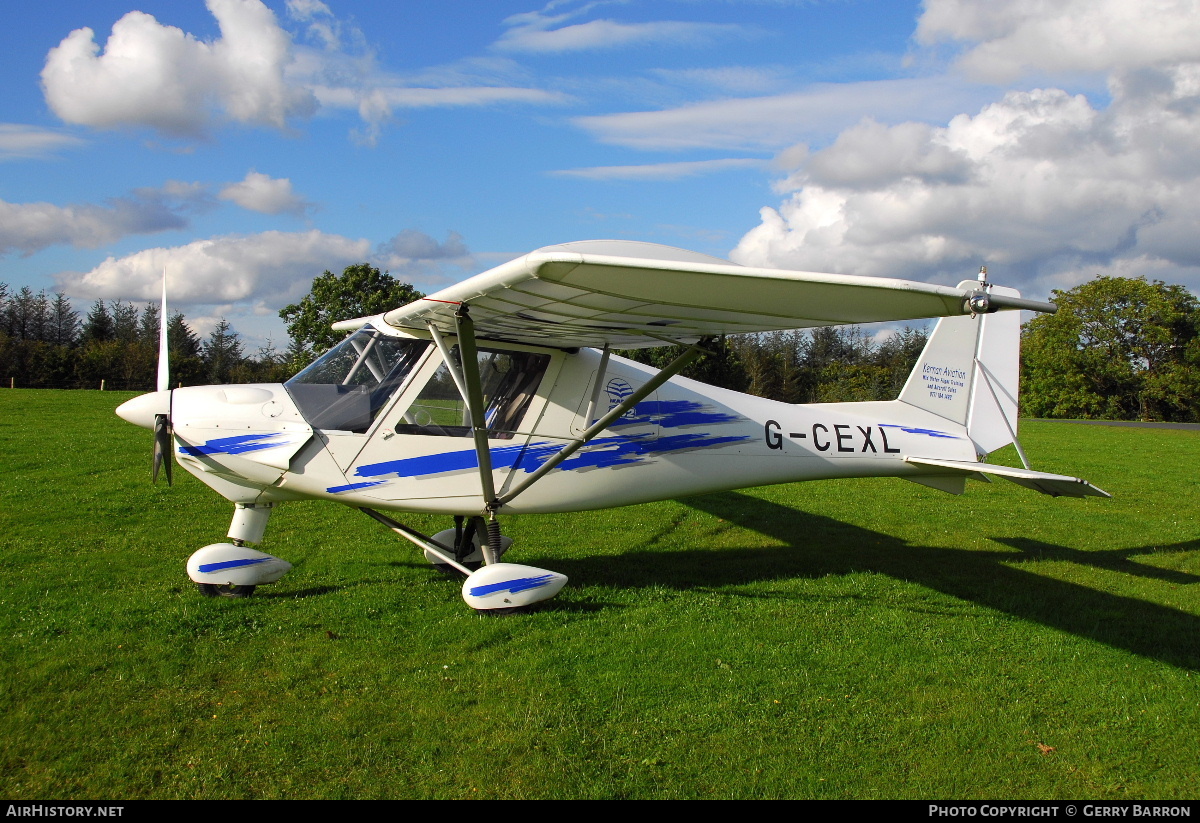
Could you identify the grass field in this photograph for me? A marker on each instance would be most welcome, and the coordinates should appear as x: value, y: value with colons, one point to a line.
x: 832, y: 640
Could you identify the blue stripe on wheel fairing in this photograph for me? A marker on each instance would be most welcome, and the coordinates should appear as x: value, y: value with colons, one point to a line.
x: 234, y: 564
x: 518, y: 585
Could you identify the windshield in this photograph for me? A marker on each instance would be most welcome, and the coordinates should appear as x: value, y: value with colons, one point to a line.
x: 347, y: 386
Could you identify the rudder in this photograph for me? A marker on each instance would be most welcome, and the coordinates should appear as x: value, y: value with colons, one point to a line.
x: 969, y: 373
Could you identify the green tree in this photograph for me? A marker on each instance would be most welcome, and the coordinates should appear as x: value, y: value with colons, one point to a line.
x: 98, y: 326
x: 269, y: 365
x: 64, y: 323
x: 1119, y: 348
x: 187, y: 367
x: 28, y: 315
x: 125, y: 321
x: 148, y: 326
x: 223, y: 353
x: 359, y: 291
x: 718, y: 365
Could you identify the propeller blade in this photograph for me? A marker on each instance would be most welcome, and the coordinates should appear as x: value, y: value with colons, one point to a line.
x: 164, y: 370
x: 162, y: 422
x: 162, y: 446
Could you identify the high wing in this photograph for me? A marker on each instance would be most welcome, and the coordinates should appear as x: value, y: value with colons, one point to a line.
x: 632, y: 295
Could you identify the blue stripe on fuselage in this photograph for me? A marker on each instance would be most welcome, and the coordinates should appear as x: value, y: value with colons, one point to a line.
x: 349, y: 487
x: 600, y: 453
x: 915, y: 430
x: 240, y: 444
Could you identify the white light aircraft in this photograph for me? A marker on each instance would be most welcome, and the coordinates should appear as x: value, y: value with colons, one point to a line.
x: 500, y: 396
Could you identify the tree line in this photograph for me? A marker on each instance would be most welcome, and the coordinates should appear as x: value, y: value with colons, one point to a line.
x: 1118, y: 348
x: 45, y: 343
x: 830, y: 364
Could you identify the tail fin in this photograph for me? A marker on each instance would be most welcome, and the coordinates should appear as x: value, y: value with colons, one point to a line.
x: 969, y: 374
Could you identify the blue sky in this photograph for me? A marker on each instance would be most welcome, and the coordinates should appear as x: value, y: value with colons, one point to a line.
x: 248, y: 146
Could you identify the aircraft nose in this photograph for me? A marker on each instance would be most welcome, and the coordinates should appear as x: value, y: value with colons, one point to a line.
x: 141, y: 410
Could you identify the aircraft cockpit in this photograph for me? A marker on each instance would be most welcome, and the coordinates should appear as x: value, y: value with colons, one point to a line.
x: 509, y: 380
x: 349, y: 386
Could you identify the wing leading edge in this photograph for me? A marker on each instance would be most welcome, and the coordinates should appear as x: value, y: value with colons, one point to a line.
x: 633, y: 295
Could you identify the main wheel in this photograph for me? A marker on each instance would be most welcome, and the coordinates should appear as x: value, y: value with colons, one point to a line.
x: 450, y: 571
x: 224, y: 590
x: 504, y: 611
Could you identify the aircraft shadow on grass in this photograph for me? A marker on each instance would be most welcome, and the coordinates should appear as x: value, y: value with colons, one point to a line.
x: 816, y: 546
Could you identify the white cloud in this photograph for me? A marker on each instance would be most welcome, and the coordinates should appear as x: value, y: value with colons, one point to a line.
x: 18, y: 141
x: 344, y: 73
x: 659, y: 171
x: 29, y: 227
x: 308, y: 9
x: 415, y: 256
x: 775, y: 121
x: 261, y: 193
x: 726, y: 79
x: 412, y: 245
x: 268, y: 269
x: 1013, y: 38
x: 408, y: 97
x: 536, y: 33
x: 273, y: 266
x: 1044, y: 186
x: 1040, y: 184
x: 159, y: 76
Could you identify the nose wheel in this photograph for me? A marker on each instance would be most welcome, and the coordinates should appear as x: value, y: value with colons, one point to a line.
x: 230, y: 570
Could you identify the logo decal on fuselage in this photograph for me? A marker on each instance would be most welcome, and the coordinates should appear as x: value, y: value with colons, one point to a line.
x: 618, y: 389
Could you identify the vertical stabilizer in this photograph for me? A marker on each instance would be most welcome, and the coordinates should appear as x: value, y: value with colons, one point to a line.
x: 969, y: 373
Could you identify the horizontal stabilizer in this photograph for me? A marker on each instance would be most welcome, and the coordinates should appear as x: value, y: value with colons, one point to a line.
x: 1055, y: 485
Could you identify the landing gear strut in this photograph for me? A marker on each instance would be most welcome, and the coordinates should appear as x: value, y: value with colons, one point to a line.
x: 496, y: 588
x: 232, y: 569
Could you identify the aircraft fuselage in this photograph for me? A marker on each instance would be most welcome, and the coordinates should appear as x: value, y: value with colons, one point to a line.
x: 254, y: 444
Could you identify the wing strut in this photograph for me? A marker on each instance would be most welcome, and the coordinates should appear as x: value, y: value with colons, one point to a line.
x: 451, y: 364
x: 466, y: 377
x: 469, y: 362
x: 673, y: 368
x: 601, y: 373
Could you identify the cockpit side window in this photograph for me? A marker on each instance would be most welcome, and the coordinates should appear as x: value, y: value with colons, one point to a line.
x: 346, y: 388
x: 510, y: 379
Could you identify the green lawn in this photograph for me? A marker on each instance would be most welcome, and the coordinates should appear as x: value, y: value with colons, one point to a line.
x: 868, y: 638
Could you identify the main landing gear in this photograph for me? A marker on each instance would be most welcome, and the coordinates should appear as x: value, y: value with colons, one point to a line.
x: 473, y: 548
x: 494, y: 587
